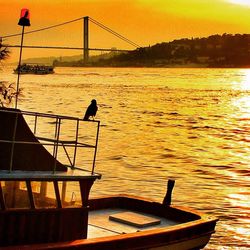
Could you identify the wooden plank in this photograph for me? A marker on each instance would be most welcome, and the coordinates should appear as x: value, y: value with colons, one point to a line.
x: 135, y: 219
x: 31, y: 198
x: 57, y: 192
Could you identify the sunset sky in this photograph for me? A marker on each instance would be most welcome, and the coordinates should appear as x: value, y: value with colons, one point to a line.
x: 145, y: 22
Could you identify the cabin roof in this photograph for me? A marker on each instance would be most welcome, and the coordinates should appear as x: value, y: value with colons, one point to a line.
x: 70, y: 175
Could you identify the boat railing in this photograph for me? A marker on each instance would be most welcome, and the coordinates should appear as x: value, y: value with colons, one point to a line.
x: 54, y: 139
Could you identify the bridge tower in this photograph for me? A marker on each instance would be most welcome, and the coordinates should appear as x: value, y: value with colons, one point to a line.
x: 86, y: 39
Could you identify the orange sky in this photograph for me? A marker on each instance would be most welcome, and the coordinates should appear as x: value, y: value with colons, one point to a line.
x: 145, y: 22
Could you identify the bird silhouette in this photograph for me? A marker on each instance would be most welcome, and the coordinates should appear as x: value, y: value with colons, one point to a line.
x: 91, y: 110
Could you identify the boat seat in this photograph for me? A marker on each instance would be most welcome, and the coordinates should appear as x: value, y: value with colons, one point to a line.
x: 135, y: 219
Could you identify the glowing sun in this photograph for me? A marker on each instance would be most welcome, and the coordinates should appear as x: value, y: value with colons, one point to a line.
x: 241, y: 2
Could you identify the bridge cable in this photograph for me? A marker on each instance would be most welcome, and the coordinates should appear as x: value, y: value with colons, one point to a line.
x: 46, y: 28
x: 114, y: 33
x: 71, y: 21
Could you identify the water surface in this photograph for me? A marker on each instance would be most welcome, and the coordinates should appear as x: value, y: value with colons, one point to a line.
x: 191, y: 125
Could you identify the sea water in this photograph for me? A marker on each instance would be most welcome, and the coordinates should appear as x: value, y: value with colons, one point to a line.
x: 191, y: 125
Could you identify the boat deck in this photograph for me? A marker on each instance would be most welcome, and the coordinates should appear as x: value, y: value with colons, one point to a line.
x: 99, y: 224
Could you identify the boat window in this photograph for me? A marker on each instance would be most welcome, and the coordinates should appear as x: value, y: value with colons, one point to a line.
x: 70, y: 193
x: 15, y: 194
x: 2, y: 202
x: 2, y: 184
x: 44, y: 194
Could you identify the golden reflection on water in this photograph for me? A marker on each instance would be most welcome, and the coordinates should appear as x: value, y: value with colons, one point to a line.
x: 243, y: 105
x: 245, y: 82
x: 240, y: 199
x: 191, y: 125
x: 241, y: 79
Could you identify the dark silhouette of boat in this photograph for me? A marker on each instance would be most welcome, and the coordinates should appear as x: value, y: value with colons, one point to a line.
x: 37, y: 69
x: 44, y: 202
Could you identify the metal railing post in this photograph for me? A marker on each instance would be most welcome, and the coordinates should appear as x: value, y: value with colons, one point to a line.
x: 56, y: 128
x: 13, y: 142
x: 35, y: 124
x: 77, y: 129
x: 96, y: 144
x: 56, y: 142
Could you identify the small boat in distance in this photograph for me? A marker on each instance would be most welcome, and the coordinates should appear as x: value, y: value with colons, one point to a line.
x: 32, y: 68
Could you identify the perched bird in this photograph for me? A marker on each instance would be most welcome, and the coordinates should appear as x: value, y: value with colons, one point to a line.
x: 91, y: 110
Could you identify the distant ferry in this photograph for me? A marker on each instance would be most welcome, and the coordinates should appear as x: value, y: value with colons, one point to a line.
x: 34, y: 69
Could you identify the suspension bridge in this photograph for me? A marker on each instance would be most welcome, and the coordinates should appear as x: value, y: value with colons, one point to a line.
x: 85, y: 48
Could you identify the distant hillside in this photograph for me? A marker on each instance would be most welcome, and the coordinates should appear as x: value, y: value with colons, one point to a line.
x: 67, y: 60
x: 225, y: 50
x: 93, y: 60
x: 214, y: 51
x: 50, y: 60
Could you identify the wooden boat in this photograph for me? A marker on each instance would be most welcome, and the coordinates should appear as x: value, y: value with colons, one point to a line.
x: 36, y: 69
x: 45, y: 203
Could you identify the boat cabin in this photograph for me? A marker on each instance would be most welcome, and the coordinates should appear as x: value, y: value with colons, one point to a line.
x: 42, y: 199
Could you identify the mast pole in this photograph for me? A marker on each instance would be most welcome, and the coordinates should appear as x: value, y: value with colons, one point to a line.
x: 19, y: 67
x: 23, y: 21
